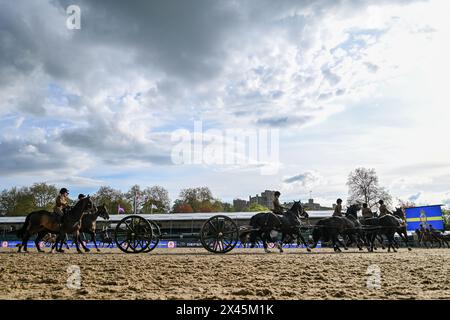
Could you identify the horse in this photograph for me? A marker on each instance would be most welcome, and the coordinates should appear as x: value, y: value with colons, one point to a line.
x: 267, y: 225
x: 291, y: 225
x: 431, y: 236
x: 89, y: 222
x: 401, y: 230
x: 88, y: 225
x: 38, y: 221
x: 387, y: 225
x: 356, y: 233
x: 329, y: 229
x: 105, y: 238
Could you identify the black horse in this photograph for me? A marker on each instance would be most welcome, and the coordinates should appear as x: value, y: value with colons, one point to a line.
x: 267, y: 225
x: 356, y: 233
x: 348, y: 227
x: 386, y: 225
x: 329, y: 229
x: 401, y: 230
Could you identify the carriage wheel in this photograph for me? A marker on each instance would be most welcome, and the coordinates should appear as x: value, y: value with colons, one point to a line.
x: 219, y: 234
x: 156, y: 236
x: 133, y: 234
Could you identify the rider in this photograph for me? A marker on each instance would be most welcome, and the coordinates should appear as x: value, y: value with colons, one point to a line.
x: 62, y: 202
x: 338, y: 208
x: 383, y: 209
x: 277, y: 207
x: 366, y: 212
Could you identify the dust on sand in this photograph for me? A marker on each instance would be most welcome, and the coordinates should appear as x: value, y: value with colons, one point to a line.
x: 241, y: 274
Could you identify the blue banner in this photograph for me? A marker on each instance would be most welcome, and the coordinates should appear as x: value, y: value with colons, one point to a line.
x: 428, y: 215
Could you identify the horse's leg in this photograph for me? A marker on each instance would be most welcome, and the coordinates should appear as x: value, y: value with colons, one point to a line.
x: 334, y: 240
x: 341, y: 243
x: 23, y: 245
x: 381, y: 240
x: 372, y: 241
x: 94, y: 240
x: 60, y: 242
x: 86, y: 249
x: 38, y: 239
x: 25, y: 241
x: 264, y: 241
x: 300, y: 237
x: 404, y: 235
x: 65, y: 242
x: 55, y: 244
x: 391, y: 242
x: 77, y: 241
x: 359, y: 240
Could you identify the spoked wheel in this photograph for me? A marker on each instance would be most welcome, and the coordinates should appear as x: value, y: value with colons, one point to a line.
x: 156, y: 236
x: 133, y: 234
x: 219, y: 234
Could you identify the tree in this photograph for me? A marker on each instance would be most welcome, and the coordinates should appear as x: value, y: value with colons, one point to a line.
x: 227, y: 207
x: 112, y: 198
x: 196, y: 197
x: 43, y: 195
x: 406, y: 204
x: 180, y: 207
x: 363, y: 187
x: 16, y: 202
x: 256, y: 207
x: 446, y: 216
x: 200, y: 199
x: 156, y: 196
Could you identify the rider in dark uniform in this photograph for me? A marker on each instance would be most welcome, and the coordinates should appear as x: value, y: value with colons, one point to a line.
x: 277, y: 207
x: 366, y: 212
x: 338, y: 208
x: 383, y: 209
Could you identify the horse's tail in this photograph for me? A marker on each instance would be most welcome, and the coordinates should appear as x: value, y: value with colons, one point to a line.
x: 22, y: 230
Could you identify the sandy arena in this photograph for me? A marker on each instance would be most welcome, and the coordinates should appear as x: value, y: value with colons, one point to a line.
x: 241, y: 274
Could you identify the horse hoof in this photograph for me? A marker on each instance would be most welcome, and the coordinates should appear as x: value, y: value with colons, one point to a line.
x: 409, y: 249
x: 87, y: 250
x: 308, y: 249
x: 98, y: 250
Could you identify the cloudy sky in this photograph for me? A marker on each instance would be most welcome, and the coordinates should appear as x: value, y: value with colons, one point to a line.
x: 343, y: 83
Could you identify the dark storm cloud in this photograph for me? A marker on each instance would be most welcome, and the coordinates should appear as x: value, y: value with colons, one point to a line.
x: 179, y: 46
x: 185, y: 39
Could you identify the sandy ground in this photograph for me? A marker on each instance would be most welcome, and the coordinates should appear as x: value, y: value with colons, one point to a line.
x: 241, y: 274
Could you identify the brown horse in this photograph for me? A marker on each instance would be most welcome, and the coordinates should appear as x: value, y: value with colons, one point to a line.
x: 42, y: 220
x: 88, y: 225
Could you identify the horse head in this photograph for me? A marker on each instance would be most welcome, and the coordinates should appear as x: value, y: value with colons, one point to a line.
x: 352, y: 211
x: 399, y: 213
x: 87, y: 204
x: 103, y: 211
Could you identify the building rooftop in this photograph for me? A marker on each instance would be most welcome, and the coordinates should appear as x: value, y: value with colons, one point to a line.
x: 179, y: 216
